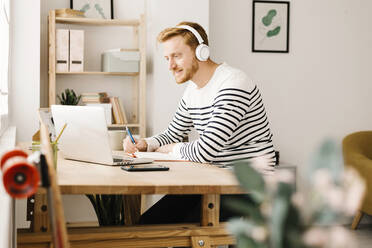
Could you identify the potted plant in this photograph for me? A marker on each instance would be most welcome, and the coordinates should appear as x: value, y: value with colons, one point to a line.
x: 69, y: 97
x: 109, y: 209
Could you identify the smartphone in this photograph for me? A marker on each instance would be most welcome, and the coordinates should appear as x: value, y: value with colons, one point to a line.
x: 144, y: 167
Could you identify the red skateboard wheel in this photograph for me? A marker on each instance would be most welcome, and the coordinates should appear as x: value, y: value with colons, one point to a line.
x: 10, y: 154
x: 20, y: 178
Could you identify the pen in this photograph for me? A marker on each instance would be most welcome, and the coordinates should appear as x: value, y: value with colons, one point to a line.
x: 131, y: 138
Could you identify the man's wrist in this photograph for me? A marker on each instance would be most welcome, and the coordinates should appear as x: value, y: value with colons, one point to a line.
x: 152, y: 144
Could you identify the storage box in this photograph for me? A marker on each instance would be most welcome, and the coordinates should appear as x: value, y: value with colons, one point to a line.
x: 120, y: 60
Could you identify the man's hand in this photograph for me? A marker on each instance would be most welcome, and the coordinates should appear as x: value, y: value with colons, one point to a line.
x: 129, y: 147
x: 166, y: 148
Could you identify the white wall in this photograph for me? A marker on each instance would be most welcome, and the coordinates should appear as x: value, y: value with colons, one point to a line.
x: 24, y: 89
x: 322, y: 88
x: 24, y: 97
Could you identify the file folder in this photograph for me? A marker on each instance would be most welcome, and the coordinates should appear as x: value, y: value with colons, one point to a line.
x: 76, y: 50
x: 62, y: 50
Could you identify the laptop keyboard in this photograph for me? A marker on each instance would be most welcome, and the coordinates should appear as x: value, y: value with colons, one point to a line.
x: 119, y: 161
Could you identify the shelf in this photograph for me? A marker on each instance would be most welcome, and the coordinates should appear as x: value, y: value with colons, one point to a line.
x: 99, y: 73
x: 138, y: 26
x: 99, y: 22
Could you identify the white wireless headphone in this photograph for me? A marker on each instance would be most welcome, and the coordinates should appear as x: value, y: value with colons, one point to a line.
x: 202, y: 50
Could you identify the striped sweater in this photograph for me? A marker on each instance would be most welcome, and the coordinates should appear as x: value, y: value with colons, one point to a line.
x: 229, y: 115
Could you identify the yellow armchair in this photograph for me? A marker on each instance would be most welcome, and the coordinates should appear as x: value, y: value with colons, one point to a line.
x: 357, y: 152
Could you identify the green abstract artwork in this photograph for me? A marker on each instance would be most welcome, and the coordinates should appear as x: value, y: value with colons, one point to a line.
x: 267, y: 20
x: 270, y: 27
x: 99, y: 9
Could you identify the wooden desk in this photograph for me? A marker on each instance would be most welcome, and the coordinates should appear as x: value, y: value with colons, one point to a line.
x: 183, y: 178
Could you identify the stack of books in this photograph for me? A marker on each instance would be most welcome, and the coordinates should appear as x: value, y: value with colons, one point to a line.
x: 69, y: 13
x: 96, y: 97
x: 118, y: 111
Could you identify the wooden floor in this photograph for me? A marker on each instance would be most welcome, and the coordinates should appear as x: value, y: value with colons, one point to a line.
x: 363, y: 235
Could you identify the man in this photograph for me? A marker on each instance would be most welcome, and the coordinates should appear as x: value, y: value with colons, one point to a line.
x: 220, y: 102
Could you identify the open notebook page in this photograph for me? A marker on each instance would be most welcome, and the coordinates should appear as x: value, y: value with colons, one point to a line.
x: 158, y: 156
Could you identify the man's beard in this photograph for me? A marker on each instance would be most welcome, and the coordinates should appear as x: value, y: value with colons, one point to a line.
x: 189, y: 73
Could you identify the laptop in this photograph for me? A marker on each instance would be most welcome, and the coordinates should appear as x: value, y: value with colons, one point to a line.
x: 86, y: 137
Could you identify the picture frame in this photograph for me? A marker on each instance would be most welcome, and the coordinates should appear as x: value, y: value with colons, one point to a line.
x: 270, y: 26
x: 99, y: 9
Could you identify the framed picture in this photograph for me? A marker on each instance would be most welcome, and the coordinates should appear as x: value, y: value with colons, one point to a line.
x: 100, y: 9
x: 270, y: 27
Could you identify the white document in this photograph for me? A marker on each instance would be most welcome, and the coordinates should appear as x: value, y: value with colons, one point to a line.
x: 76, y: 50
x: 158, y: 156
x: 62, y: 50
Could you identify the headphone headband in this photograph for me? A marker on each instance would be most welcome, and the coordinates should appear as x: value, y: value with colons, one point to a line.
x: 192, y: 30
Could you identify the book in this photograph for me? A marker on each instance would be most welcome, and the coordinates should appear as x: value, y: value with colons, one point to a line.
x: 69, y: 13
x: 118, y: 111
x: 115, y: 111
x: 122, y: 110
x: 95, y: 97
x: 86, y: 99
x: 101, y: 94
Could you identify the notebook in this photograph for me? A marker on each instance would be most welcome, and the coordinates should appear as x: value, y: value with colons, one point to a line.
x: 158, y: 156
x: 86, y: 137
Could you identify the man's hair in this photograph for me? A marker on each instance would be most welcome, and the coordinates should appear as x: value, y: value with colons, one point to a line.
x: 188, y: 36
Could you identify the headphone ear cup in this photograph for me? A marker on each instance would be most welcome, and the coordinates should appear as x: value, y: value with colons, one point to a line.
x: 202, y: 52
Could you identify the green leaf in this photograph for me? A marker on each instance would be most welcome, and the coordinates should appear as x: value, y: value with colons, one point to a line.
x: 247, y: 208
x: 250, y: 180
x: 327, y: 156
x: 279, y: 214
x: 246, y: 242
x: 63, y: 98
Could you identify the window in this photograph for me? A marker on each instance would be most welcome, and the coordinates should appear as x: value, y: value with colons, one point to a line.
x: 4, y: 62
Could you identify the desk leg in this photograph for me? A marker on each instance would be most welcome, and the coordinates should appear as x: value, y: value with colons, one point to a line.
x: 132, y: 209
x: 40, y: 221
x: 210, y: 216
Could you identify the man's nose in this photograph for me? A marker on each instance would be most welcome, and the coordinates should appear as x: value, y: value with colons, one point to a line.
x: 171, y: 64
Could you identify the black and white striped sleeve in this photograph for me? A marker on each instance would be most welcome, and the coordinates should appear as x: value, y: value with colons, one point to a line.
x: 229, y: 108
x: 179, y: 127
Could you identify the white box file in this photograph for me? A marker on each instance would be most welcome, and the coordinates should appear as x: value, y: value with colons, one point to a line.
x: 62, y: 50
x: 76, y: 50
x: 120, y: 60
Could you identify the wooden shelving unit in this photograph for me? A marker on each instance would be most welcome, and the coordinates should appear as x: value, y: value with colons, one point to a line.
x: 138, y: 119
x: 99, y: 73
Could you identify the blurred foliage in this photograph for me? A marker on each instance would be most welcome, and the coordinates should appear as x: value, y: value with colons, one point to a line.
x: 109, y: 209
x: 278, y: 216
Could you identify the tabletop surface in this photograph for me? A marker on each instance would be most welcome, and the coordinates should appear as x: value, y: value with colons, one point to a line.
x: 75, y: 177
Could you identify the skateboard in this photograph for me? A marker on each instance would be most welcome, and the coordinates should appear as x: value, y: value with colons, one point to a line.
x: 23, y: 174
